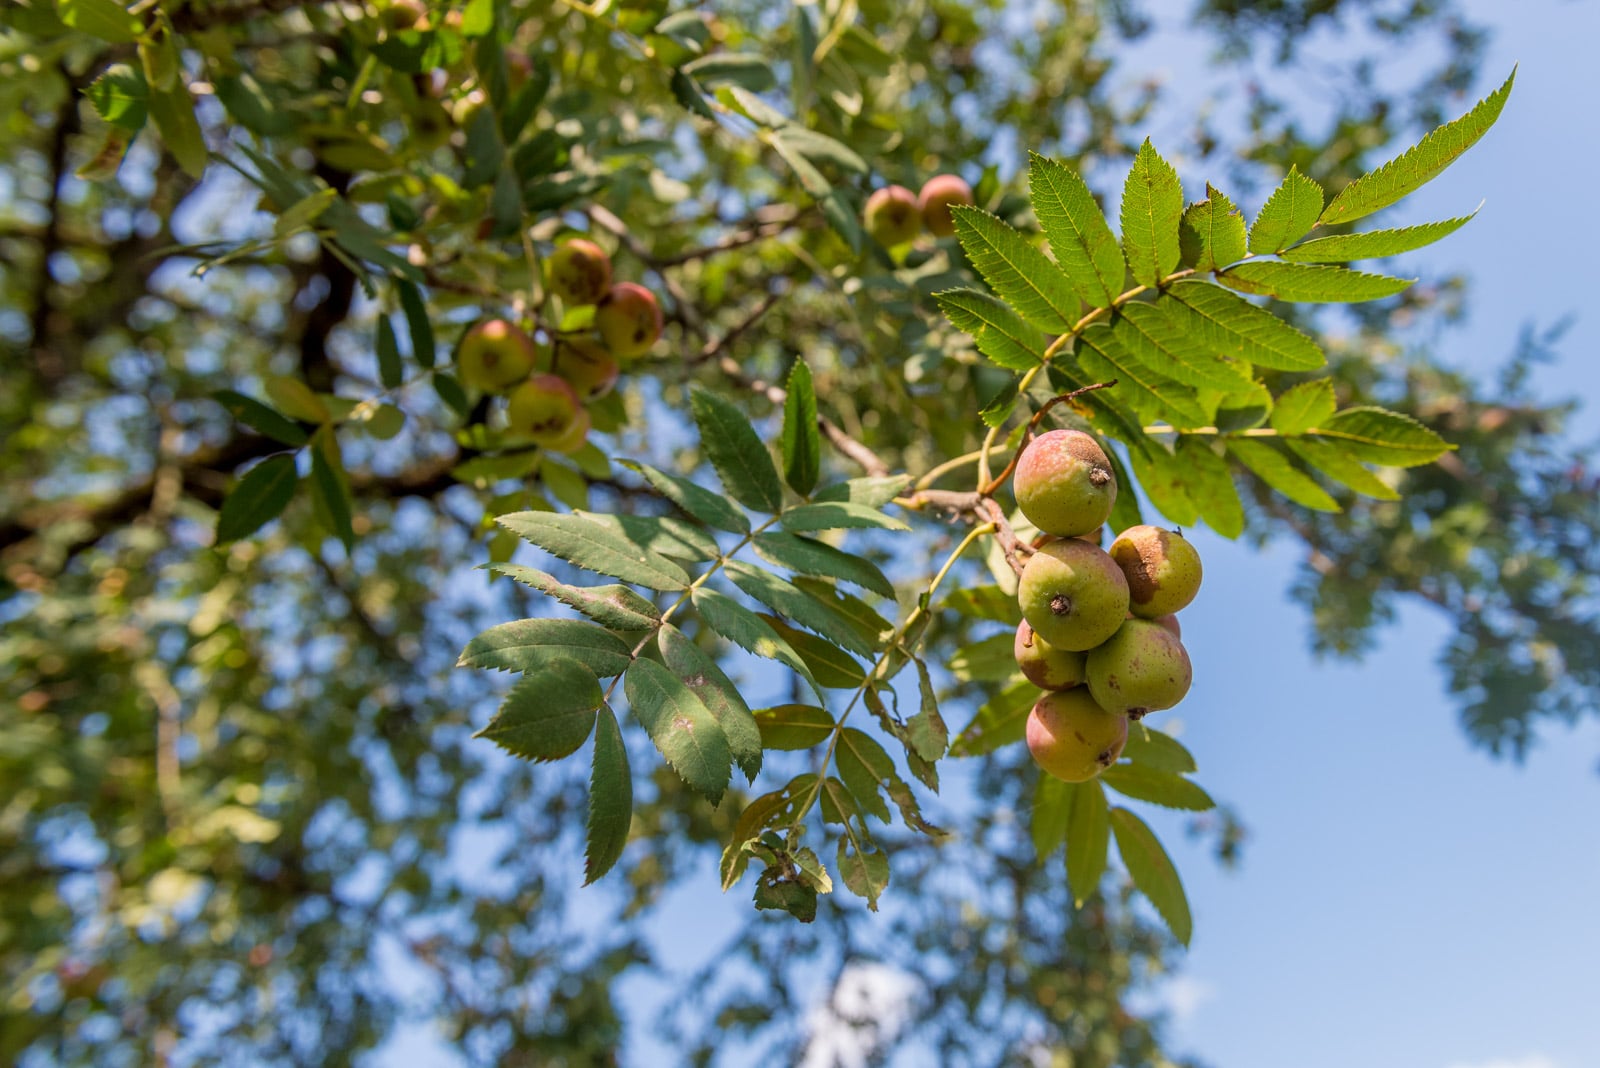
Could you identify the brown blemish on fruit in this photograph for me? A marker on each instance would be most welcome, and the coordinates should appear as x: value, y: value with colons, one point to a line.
x: 1106, y: 758
x: 1136, y: 714
x: 1137, y: 562
x: 1061, y: 605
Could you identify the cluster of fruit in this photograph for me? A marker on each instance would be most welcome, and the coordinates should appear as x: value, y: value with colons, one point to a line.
x: 894, y: 215
x: 549, y: 384
x: 1098, y: 629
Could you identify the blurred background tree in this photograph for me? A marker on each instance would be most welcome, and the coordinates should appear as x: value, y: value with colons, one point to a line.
x: 241, y: 789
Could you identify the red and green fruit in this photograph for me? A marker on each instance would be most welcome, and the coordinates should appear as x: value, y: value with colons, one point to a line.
x: 933, y: 203
x: 579, y: 272
x: 1043, y: 664
x: 587, y: 365
x: 1073, y: 595
x: 1072, y: 737
x: 629, y: 320
x: 1142, y: 668
x: 544, y: 409
x: 1064, y: 483
x: 494, y: 355
x: 892, y: 216
x: 1162, y: 568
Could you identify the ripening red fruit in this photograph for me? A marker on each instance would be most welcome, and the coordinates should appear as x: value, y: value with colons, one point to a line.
x: 1043, y: 664
x: 1162, y: 567
x: 1064, y: 483
x: 579, y: 272
x: 938, y: 193
x: 629, y: 320
x: 1072, y: 594
x: 892, y: 216
x: 1142, y: 668
x: 543, y: 408
x: 1073, y: 738
x: 587, y: 365
x: 494, y: 355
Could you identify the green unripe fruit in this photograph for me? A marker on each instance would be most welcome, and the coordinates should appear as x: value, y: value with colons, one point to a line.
x: 544, y: 409
x: 1064, y: 483
x: 1043, y: 664
x: 1142, y: 668
x: 1073, y: 738
x: 494, y: 355
x: 938, y: 193
x: 587, y: 366
x: 1162, y: 568
x: 1073, y: 595
x: 892, y: 216
x: 579, y: 272
x: 629, y: 320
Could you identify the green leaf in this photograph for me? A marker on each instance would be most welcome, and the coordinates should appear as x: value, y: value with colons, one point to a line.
x: 985, y: 602
x: 549, y: 713
x: 260, y: 497
x: 1164, y: 480
x: 926, y: 731
x: 591, y: 546
x: 530, y: 644
x: 797, y: 605
x: 1274, y: 468
x: 331, y: 487
x: 1311, y: 283
x: 1083, y: 244
x: 862, y: 616
x: 807, y: 556
x: 717, y: 692
x: 421, y: 327
x: 862, y: 764
x: 665, y: 535
x: 617, y: 607
x: 794, y: 726
x: 173, y: 112
x: 736, y: 452
x: 1158, y: 341
x: 1211, y: 234
x: 1000, y: 721
x: 746, y: 69
x: 1304, y: 407
x: 687, y: 92
x: 825, y: 662
x: 105, y: 19
x: 988, y: 660
x: 837, y: 515
x: 1210, y: 487
x: 1341, y: 467
x: 388, y: 350
x: 121, y: 97
x: 1152, y: 205
x: 1088, y: 840
x: 258, y: 416
x: 1378, y: 436
x: 297, y: 399
x: 800, y: 443
x: 1152, y: 871
x: 1047, y: 822
x: 749, y: 631
x: 685, y: 731
x: 1342, y: 248
x: 997, y: 331
x: 821, y: 148
x: 1104, y: 356
x: 1418, y: 165
x: 998, y: 408
x: 711, y: 509
x: 1145, y: 783
x: 1288, y: 215
x: 752, y: 106
x: 776, y: 891
x: 1231, y: 326
x: 1157, y: 749
x: 762, y: 812
x: 610, y: 799
x: 1020, y: 274
x: 866, y: 492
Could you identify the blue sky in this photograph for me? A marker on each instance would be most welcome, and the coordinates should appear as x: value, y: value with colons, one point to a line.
x: 1405, y: 900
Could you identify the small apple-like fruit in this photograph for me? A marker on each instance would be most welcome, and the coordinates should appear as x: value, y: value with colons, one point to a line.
x: 1064, y: 483
x: 629, y: 320
x: 1073, y: 738
x: 405, y: 15
x: 892, y: 216
x: 1162, y: 568
x: 579, y: 272
x: 495, y: 355
x: 938, y: 193
x: 576, y: 436
x: 587, y: 365
x: 1170, y: 622
x: 1142, y: 668
x: 1043, y: 664
x: 543, y: 408
x: 1073, y: 595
